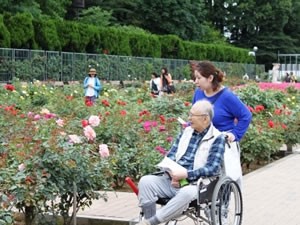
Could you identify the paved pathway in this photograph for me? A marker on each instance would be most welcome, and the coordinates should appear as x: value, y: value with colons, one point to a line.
x: 271, y: 197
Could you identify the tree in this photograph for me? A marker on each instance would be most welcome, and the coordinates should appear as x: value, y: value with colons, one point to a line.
x: 292, y: 27
x: 254, y: 23
x: 20, y: 6
x: 123, y: 11
x: 54, y: 8
x: 180, y: 17
x: 217, y: 13
x: 95, y: 16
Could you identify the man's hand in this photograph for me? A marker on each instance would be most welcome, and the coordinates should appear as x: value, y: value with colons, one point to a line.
x: 179, y: 174
x: 175, y: 183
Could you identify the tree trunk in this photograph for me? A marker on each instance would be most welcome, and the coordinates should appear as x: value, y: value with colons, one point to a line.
x: 29, y: 215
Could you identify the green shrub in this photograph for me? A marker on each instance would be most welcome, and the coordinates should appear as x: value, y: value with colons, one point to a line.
x: 4, y: 34
x: 171, y: 46
x: 46, y: 34
x: 21, y: 26
x: 69, y: 35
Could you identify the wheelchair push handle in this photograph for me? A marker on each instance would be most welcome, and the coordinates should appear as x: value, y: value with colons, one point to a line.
x: 132, y: 185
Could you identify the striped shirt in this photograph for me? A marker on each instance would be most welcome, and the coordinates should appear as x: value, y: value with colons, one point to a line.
x: 214, y: 160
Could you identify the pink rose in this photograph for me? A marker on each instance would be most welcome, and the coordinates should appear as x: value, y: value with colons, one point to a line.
x: 89, y: 133
x: 169, y: 139
x: 162, y: 128
x: 94, y: 121
x: 21, y: 167
x: 74, y: 139
x: 103, y: 150
x: 30, y: 114
x: 37, y: 117
x: 60, y: 122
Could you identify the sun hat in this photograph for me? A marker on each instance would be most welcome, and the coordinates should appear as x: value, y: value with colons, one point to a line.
x: 92, y: 70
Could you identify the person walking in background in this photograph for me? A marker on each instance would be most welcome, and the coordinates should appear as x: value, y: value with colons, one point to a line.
x: 293, y: 78
x: 231, y: 114
x: 92, y: 86
x: 155, y: 84
x: 287, y: 77
x: 167, y: 85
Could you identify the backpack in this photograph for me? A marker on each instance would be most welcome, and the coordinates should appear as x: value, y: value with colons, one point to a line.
x: 154, y: 88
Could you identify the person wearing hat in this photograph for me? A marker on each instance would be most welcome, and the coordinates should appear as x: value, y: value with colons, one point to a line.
x: 92, y: 86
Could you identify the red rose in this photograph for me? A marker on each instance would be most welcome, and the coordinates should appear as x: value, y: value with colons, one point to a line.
x: 84, y: 123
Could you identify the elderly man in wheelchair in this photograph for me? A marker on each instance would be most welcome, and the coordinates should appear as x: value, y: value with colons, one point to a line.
x: 197, y: 188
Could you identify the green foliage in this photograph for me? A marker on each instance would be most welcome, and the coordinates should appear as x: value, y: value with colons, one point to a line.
x: 115, y: 41
x: 21, y: 26
x: 95, y: 16
x: 49, y: 34
x: 143, y: 44
x: 17, y: 6
x: 270, y: 99
x: 275, y: 122
x: 69, y: 35
x: 181, y: 18
x: 171, y: 107
x: 46, y: 34
x: 52, y: 166
x: 273, y: 28
x: 4, y: 34
x: 6, y: 217
x: 211, y: 36
x: 123, y: 12
x: 171, y: 46
x: 54, y: 8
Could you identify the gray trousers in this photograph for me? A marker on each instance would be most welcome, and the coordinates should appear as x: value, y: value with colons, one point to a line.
x: 152, y: 187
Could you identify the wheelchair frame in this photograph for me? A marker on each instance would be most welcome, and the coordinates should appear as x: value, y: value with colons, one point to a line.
x: 220, y: 203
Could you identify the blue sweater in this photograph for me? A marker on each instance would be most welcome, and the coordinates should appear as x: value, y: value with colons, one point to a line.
x: 97, y: 86
x: 227, y: 108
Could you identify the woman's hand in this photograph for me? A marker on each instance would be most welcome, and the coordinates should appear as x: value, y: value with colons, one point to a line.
x: 230, y: 137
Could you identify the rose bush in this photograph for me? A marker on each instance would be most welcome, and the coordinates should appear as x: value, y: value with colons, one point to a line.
x: 46, y: 162
x: 275, y: 110
x: 53, y: 143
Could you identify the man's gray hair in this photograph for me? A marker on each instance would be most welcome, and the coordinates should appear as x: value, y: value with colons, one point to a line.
x: 205, y: 107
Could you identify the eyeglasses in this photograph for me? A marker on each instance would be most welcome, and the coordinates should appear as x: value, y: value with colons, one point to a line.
x: 191, y: 114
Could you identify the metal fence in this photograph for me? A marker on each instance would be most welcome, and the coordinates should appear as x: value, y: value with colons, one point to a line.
x: 289, y: 63
x: 28, y: 65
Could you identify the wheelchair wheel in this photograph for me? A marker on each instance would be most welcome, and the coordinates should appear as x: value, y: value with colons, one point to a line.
x: 227, y: 203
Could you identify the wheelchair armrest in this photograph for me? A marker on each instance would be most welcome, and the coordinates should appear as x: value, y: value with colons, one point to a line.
x: 201, y: 179
x: 206, y: 185
x: 158, y: 173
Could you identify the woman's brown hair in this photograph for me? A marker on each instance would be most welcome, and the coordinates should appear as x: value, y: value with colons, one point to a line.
x: 206, y: 69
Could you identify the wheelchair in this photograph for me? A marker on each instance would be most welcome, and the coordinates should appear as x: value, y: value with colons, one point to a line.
x: 219, y: 202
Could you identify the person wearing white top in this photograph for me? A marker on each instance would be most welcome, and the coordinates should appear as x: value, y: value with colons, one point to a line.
x: 155, y: 84
x: 92, y: 86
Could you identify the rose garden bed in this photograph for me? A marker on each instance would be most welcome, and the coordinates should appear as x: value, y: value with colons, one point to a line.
x: 54, y: 144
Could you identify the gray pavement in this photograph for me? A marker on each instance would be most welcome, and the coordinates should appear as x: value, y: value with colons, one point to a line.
x: 271, y: 197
